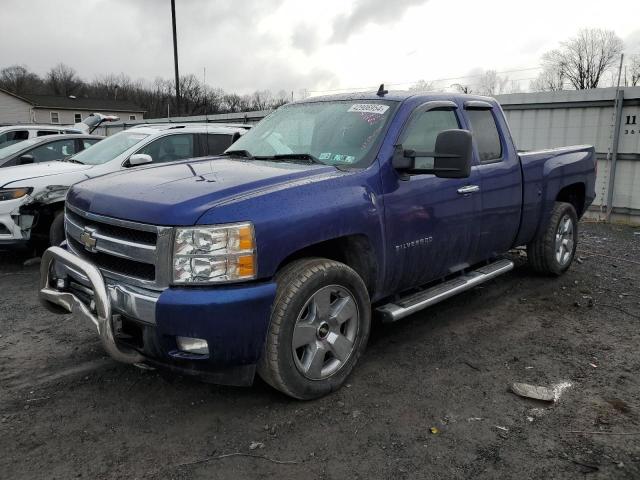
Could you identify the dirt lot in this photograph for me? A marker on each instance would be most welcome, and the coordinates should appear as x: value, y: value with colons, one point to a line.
x: 67, y: 411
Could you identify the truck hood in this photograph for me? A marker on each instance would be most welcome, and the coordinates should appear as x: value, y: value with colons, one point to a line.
x: 179, y: 194
x: 24, y: 175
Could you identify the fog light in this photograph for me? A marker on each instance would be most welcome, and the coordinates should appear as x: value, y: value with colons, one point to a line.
x: 192, y: 345
x: 61, y: 283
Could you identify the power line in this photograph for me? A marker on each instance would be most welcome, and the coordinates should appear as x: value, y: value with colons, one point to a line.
x: 431, y: 80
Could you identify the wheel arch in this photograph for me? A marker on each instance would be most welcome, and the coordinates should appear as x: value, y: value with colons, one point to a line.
x: 355, y: 251
x: 575, y: 194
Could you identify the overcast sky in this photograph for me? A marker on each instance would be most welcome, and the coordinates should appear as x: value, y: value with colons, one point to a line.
x: 319, y: 45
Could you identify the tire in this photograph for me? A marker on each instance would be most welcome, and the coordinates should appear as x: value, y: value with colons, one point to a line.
x: 552, y: 252
x: 323, y: 306
x: 56, y: 231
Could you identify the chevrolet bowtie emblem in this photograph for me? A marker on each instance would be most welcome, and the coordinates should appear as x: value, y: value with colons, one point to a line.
x: 87, y: 239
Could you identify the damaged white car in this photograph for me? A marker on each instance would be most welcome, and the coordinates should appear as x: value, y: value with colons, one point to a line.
x: 32, y: 196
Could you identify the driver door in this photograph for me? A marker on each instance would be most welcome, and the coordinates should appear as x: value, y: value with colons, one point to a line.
x: 430, y: 221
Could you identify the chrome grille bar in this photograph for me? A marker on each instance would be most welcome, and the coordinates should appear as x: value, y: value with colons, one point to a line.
x: 136, y: 253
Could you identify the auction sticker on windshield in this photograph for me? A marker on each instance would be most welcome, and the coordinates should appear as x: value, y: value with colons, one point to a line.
x: 368, y: 108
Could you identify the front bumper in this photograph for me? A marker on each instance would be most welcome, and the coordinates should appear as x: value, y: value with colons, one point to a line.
x: 140, y: 326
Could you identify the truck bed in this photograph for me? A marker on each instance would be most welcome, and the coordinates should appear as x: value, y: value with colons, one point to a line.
x: 544, y: 174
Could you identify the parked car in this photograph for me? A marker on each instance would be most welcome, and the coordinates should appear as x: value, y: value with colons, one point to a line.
x: 17, y: 133
x: 45, y: 149
x: 271, y: 258
x: 32, y: 196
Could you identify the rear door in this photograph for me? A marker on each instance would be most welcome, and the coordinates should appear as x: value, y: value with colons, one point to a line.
x: 500, y: 179
x: 430, y: 221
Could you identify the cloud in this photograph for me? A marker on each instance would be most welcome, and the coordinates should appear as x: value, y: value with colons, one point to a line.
x: 365, y: 12
x: 135, y: 38
x: 305, y: 38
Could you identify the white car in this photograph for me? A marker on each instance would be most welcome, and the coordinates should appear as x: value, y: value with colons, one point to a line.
x: 32, y: 196
x: 17, y: 133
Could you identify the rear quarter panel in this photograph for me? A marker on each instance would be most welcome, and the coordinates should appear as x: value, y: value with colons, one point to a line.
x: 545, y: 173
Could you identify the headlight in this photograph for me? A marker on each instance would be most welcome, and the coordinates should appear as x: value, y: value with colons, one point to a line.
x: 222, y: 253
x: 13, y: 193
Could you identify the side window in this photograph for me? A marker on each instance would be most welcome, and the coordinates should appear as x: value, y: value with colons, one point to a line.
x: 217, y: 143
x: 423, y: 130
x: 42, y: 133
x: 170, y: 148
x: 53, y: 151
x: 14, y: 136
x: 485, y: 132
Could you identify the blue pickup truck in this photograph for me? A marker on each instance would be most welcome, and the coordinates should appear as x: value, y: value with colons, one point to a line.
x: 273, y: 257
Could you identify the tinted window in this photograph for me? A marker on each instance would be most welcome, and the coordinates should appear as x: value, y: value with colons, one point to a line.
x: 42, y: 133
x: 170, y: 148
x: 15, y: 136
x: 216, y: 144
x: 485, y: 132
x: 53, y: 151
x: 423, y: 130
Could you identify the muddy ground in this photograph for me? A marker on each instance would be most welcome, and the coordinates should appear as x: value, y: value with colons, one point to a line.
x: 67, y: 411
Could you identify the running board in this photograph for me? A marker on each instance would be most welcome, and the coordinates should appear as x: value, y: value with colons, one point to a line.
x: 403, y: 307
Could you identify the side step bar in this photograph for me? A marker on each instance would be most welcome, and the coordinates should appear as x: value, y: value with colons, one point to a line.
x: 403, y: 307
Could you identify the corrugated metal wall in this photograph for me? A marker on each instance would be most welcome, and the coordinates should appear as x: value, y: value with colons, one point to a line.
x: 553, y: 119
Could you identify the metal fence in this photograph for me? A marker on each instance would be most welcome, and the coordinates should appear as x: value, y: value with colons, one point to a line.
x: 596, y: 117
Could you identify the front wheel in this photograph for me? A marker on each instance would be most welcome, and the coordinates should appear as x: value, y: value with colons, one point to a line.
x: 319, y: 327
x: 553, y: 250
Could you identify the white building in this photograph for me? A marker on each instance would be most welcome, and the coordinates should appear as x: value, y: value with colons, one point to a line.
x: 60, y: 110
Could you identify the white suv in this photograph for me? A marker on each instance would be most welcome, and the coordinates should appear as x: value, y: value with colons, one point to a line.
x: 17, y: 133
x: 32, y: 196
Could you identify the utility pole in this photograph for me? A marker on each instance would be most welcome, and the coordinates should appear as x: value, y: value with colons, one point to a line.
x: 617, y: 108
x: 175, y: 55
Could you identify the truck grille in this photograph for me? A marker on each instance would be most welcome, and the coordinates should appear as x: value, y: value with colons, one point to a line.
x: 136, y: 253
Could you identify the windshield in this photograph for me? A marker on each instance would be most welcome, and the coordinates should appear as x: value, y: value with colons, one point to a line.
x: 333, y: 132
x: 16, y: 147
x: 109, y: 148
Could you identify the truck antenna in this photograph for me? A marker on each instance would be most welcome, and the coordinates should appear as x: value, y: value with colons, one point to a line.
x: 381, y: 91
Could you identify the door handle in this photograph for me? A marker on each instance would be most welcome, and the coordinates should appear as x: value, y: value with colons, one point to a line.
x: 468, y: 189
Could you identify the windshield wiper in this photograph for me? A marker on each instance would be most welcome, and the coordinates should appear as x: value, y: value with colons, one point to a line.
x: 72, y: 160
x: 293, y: 156
x: 238, y: 153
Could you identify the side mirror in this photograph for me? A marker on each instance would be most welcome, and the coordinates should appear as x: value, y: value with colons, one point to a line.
x: 138, y: 159
x: 26, y: 159
x: 451, y: 158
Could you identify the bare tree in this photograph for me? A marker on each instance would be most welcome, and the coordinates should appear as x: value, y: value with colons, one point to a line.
x: 549, y: 80
x: 18, y: 79
x: 633, y: 70
x: 491, y: 83
x: 63, y: 80
x: 422, y: 86
x: 583, y: 59
x: 463, y: 88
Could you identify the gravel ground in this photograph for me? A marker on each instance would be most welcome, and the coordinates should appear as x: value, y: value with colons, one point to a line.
x: 429, y: 399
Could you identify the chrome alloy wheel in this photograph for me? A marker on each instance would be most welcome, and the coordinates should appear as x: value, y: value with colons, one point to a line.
x: 325, y: 333
x: 564, y: 240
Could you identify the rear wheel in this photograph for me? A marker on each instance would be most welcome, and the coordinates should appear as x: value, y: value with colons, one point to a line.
x: 553, y: 251
x: 319, y: 328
